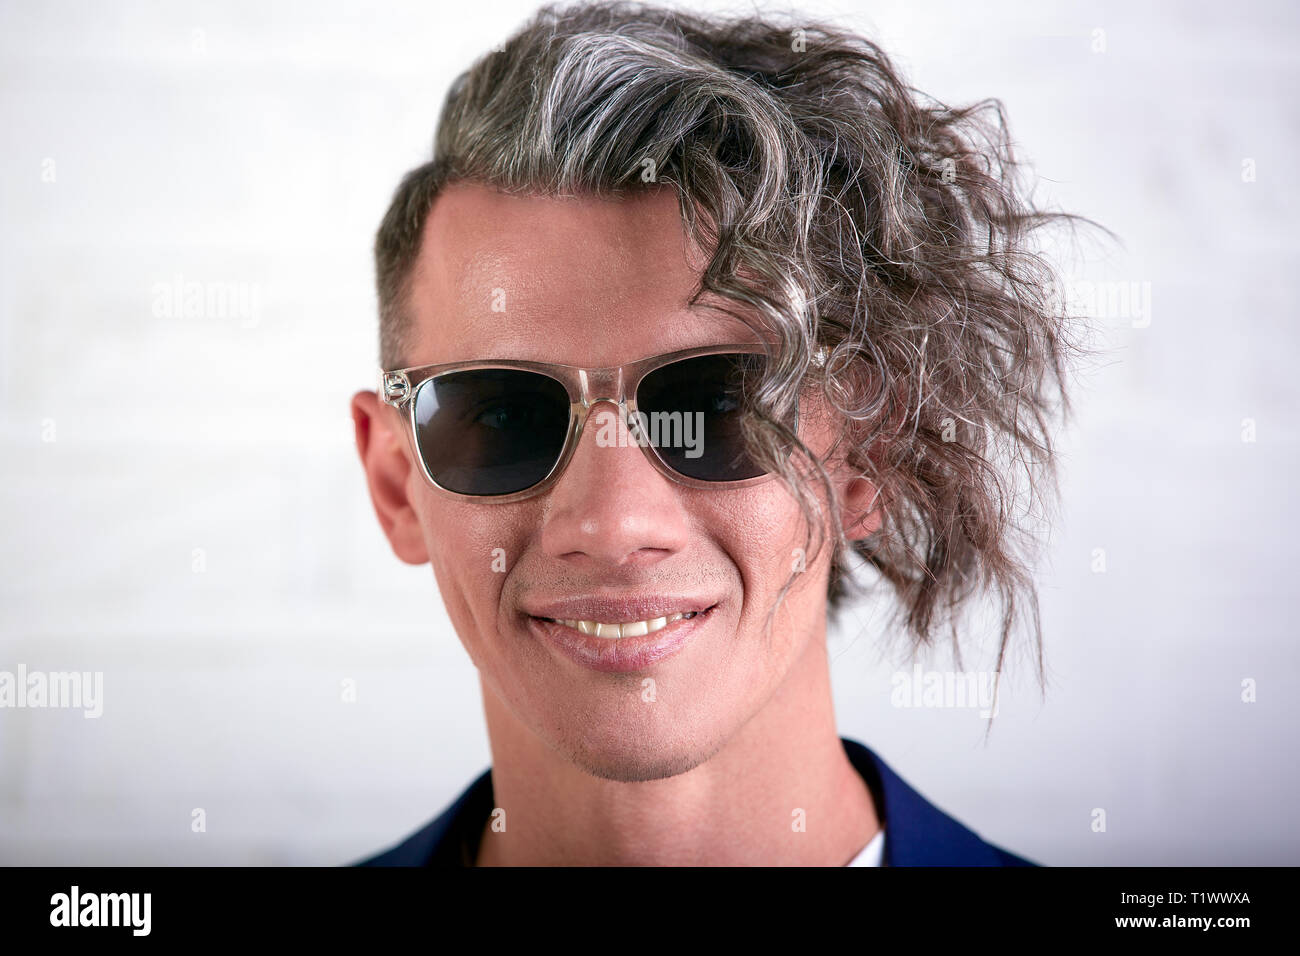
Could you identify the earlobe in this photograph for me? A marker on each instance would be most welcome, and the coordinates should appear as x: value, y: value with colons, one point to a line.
x: 384, y: 458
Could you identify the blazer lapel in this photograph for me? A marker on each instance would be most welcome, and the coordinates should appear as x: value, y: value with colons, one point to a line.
x: 917, y: 833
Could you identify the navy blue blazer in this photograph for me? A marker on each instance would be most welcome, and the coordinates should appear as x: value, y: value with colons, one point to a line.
x: 917, y: 833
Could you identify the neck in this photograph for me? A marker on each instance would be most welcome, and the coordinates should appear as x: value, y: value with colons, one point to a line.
x: 780, y: 792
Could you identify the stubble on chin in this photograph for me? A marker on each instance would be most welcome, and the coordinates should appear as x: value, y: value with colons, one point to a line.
x: 638, y: 764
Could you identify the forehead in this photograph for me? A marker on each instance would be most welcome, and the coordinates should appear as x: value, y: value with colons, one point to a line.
x: 577, y: 280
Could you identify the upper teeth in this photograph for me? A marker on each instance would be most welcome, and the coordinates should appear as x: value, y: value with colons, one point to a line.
x: 626, y: 628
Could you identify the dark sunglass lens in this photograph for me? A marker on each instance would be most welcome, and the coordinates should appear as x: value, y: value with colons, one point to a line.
x: 692, y: 413
x: 490, y: 431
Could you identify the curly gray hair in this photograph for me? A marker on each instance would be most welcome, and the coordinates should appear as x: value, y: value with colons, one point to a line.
x: 859, y: 219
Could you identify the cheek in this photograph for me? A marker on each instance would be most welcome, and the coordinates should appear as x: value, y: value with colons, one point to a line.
x: 763, y: 532
x: 472, y: 549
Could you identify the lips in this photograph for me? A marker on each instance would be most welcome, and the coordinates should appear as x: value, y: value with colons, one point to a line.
x: 619, y: 635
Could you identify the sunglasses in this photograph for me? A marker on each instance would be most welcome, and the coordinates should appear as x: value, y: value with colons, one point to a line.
x: 505, y: 430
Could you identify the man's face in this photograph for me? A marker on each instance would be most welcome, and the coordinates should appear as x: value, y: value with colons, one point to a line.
x: 596, y: 283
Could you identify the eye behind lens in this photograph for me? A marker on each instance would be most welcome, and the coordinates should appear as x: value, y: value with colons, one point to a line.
x: 488, y: 432
x: 693, y: 411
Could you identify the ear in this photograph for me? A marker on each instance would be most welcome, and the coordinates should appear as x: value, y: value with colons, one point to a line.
x: 861, y: 512
x: 385, y: 457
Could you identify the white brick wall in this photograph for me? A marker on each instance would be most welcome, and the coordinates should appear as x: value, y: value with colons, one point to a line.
x: 255, y: 149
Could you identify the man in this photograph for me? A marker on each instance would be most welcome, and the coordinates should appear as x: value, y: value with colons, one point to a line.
x: 684, y: 316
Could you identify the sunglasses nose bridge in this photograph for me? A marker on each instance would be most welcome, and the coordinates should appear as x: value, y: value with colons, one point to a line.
x: 604, y: 386
x: 601, y: 385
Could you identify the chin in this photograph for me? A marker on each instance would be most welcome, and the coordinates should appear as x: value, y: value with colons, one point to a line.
x: 636, y: 755
x: 635, y: 767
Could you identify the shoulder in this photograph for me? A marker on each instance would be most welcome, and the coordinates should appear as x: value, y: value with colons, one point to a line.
x: 917, y: 833
x: 450, y: 839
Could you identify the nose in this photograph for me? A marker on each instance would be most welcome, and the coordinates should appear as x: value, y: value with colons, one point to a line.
x: 611, y: 507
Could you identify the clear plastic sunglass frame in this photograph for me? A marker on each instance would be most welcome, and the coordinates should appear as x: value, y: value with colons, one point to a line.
x: 586, y: 387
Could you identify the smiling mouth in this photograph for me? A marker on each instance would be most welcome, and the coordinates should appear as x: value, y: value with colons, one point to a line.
x: 621, y: 647
x: 621, y: 629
